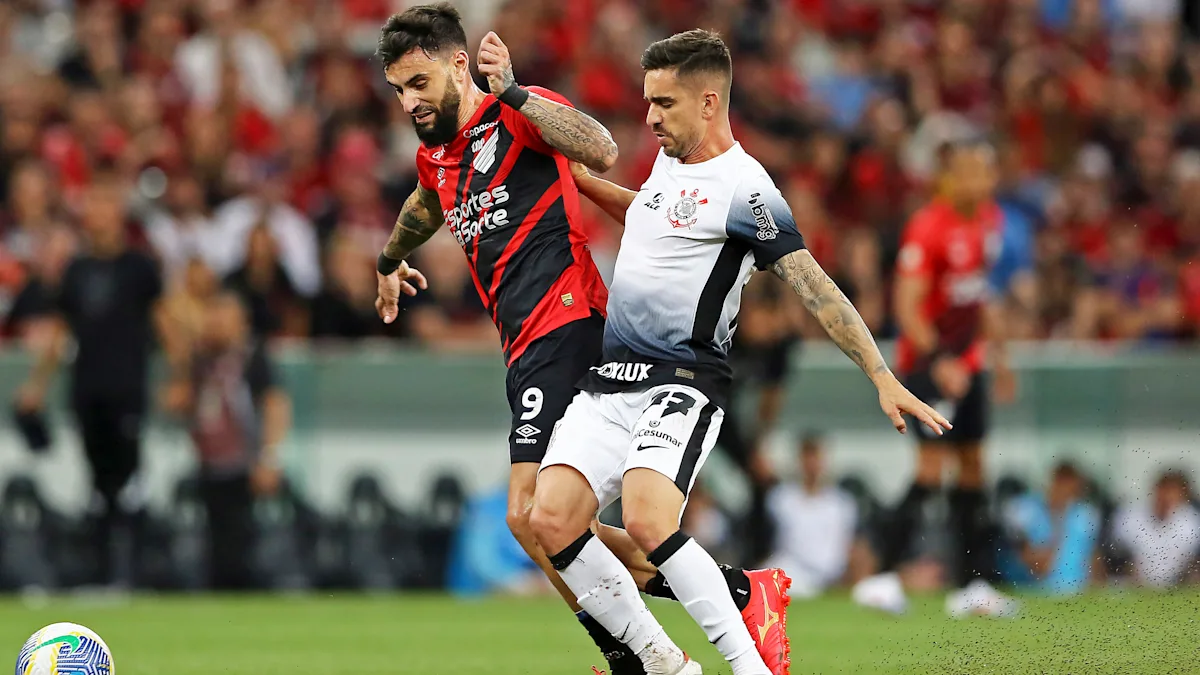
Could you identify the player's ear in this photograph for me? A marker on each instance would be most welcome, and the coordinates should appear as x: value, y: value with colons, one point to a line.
x: 712, y: 103
x: 461, y: 64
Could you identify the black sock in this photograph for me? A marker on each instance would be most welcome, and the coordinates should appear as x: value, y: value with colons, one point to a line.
x: 968, y: 508
x: 905, y: 520
x: 739, y: 586
x: 621, y: 659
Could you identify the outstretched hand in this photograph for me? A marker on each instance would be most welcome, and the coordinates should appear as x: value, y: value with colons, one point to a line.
x: 392, y: 285
x: 897, y: 401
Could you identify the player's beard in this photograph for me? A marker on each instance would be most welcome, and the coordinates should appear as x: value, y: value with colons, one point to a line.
x: 445, y: 119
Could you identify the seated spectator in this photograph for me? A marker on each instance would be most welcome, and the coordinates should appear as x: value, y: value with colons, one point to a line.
x: 275, y: 306
x: 1163, y: 537
x: 449, y: 315
x: 815, y: 525
x: 345, y: 307
x: 184, y: 230
x: 1053, y: 538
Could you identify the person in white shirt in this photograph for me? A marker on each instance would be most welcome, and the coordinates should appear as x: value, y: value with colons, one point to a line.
x: 815, y: 525
x: 649, y: 415
x: 1162, y: 537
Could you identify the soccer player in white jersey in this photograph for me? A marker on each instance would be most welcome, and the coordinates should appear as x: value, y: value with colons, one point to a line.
x: 649, y: 415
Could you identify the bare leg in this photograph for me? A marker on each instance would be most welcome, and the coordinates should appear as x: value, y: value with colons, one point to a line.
x: 521, y: 483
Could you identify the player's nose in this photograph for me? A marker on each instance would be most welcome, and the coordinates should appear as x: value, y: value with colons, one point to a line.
x: 653, y: 117
x: 410, y: 102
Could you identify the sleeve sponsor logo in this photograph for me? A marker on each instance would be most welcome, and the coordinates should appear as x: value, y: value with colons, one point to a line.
x: 763, y: 220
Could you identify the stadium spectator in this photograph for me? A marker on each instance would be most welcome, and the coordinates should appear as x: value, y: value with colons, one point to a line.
x: 1163, y: 536
x: 237, y: 413
x: 815, y: 525
x: 1052, y: 538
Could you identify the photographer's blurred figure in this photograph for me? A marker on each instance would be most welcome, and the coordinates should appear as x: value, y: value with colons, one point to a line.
x: 1053, y: 538
x: 1161, y: 538
x: 107, y: 301
x: 237, y: 415
x: 815, y: 525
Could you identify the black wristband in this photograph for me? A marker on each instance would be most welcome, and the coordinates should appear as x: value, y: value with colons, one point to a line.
x: 385, y: 265
x: 514, y: 97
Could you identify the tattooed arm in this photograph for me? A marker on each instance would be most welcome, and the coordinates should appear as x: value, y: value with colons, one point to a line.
x: 572, y: 132
x: 418, y: 221
x: 826, y: 301
x: 841, y: 321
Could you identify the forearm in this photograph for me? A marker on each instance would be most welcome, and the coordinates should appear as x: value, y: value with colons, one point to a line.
x: 919, y: 330
x: 419, y: 220
x: 997, y: 334
x: 277, y: 419
x: 48, y: 355
x: 572, y: 132
x: 825, y: 301
x: 610, y: 197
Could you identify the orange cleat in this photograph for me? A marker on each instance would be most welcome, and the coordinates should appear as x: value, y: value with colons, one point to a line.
x: 766, y: 617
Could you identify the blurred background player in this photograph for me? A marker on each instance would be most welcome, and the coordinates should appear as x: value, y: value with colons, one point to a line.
x: 944, y: 310
x: 107, y: 305
x: 237, y: 414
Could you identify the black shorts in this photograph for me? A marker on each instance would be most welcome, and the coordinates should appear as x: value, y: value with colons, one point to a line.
x: 969, y: 416
x: 542, y: 382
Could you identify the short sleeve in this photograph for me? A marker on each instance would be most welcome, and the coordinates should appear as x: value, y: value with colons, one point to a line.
x: 917, y: 254
x: 760, y: 218
x: 1016, y: 251
x: 526, y: 131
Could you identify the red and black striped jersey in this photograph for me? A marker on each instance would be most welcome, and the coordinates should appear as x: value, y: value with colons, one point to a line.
x: 509, y: 200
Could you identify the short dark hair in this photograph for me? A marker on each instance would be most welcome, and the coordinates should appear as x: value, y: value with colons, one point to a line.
x: 691, y: 52
x: 430, y: 28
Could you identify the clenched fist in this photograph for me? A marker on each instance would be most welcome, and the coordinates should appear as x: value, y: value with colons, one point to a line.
x: 495, y: 64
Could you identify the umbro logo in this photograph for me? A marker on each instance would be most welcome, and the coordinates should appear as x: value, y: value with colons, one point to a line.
x: 527, y: 433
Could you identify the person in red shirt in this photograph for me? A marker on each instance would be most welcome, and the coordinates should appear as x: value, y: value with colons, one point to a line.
x: 942, y: 304
x: 494, y: 167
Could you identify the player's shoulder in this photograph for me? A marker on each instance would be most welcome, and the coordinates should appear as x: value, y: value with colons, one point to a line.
x: 927, y: 219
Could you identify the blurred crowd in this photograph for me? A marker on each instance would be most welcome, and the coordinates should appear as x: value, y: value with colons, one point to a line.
x: 258, y: 146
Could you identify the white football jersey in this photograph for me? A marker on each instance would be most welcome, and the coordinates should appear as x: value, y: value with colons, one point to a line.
x: 693, y: 236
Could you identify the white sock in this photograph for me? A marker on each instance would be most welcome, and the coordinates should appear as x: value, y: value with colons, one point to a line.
x: 607, y: 591
x: 703, y: 592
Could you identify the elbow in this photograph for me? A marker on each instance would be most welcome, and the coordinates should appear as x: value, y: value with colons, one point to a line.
x: 607, y: 160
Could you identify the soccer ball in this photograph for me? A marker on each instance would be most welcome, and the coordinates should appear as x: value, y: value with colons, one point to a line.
x: 65, y: 649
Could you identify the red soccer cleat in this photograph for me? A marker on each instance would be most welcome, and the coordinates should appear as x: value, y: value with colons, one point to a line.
x: 766, y: 617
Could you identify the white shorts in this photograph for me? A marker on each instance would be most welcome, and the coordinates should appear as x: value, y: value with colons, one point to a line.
x: 670, y: 429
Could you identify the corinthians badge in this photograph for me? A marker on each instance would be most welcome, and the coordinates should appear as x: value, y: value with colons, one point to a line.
x: 683, y: 212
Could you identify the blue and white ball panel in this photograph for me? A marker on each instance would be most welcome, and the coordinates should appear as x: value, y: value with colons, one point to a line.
x: 65, y: 649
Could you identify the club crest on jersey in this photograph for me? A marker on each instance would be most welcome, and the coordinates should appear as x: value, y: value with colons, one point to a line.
x: 485, y: 153
x: 683, y: 212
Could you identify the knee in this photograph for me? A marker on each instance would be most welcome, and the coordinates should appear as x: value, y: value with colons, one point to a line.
x: 518, y: 519
x: 554, y: 529
x: 647, y: 531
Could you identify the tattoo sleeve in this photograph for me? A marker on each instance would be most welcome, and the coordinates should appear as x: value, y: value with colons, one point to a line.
x: 572, y: 132
x: 418, y: 221
x: 830, y: 306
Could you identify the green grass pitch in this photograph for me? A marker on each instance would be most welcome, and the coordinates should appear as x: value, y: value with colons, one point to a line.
x: 345, y: 634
